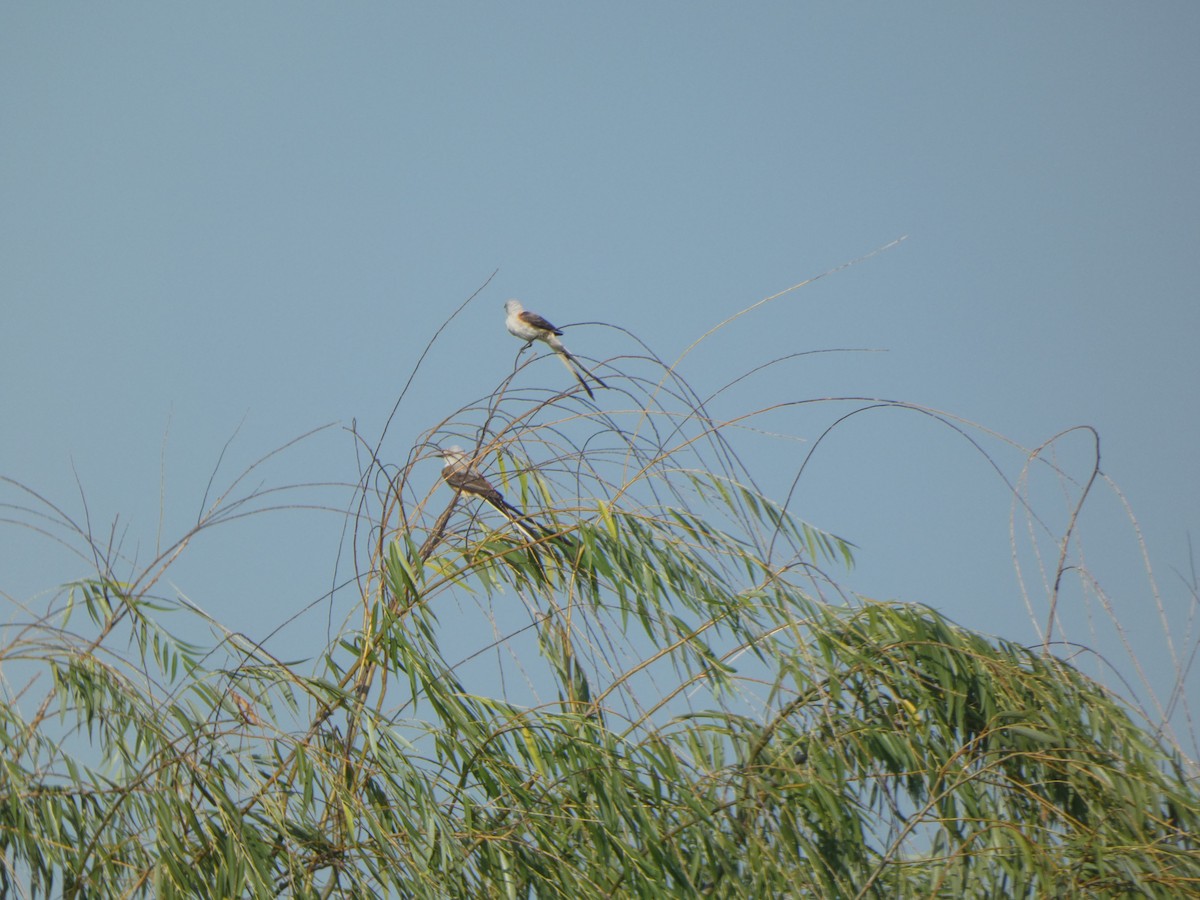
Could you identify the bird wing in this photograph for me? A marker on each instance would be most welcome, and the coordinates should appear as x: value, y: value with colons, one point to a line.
x: 471, y: 482
x: 533, y: 320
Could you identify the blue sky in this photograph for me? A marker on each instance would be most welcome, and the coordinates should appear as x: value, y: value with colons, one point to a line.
x: 251, y: 219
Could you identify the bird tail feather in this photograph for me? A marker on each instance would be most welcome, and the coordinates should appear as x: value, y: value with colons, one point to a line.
x: 526, y: 526
x: 532, y: 530
x: 578, y: 370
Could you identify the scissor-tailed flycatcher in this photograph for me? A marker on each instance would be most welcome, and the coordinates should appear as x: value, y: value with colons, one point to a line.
x: 531, y: 327
x: 460, y: 474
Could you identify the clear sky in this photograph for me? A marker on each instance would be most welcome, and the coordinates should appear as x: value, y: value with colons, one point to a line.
x: 254, y: 217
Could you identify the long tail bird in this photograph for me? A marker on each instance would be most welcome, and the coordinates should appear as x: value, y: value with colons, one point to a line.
x: 530, y: 327
x: 461, y: 475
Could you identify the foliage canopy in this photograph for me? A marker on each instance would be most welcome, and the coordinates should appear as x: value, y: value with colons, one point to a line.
x: 668, y: 694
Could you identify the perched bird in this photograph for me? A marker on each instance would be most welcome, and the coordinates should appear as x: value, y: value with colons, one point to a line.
x: 461, y: 475
x: 531, y: 327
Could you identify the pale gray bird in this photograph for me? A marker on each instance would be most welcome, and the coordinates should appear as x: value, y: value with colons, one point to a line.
x: 460, y: 474
x: 530, y: 327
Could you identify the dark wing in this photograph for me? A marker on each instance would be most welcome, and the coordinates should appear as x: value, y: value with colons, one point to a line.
x: 536, y: 321
x: 473, y: 483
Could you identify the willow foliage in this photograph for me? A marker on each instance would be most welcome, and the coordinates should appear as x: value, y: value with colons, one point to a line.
x: 667, y: 695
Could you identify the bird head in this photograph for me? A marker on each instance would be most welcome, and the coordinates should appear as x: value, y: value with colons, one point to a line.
x: 453, y: 454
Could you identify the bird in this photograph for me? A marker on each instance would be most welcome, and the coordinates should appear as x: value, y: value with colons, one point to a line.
x: 530, y: 327
x: 460, y: 474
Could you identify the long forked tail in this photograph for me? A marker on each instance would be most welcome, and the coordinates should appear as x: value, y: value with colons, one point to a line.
x: 532, y: 530
x: 529, y: 528
x: 578, y: 369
